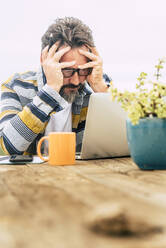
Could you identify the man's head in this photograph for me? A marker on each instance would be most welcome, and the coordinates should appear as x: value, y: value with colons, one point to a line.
x: 71, y: 32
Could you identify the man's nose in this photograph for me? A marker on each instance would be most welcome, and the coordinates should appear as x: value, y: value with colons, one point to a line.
x: 75, y: 79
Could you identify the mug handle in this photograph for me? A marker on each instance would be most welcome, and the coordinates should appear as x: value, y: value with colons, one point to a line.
x: 39, y: 146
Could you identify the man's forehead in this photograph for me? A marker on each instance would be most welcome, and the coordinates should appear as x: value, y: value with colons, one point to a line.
x: 83, y: 47
x: 74, y: 54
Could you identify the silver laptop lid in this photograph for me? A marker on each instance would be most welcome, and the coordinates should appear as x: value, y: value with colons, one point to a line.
x: 105, y: 130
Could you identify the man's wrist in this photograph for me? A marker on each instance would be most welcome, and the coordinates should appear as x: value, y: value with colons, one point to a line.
x: 57, y: 89
x: 102, y: 87
x: 55, y: 95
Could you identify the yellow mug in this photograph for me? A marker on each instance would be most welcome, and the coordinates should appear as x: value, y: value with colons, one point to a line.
x: 61, y: 148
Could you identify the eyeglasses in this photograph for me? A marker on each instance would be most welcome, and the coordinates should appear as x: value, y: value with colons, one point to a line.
x: 69, y: 72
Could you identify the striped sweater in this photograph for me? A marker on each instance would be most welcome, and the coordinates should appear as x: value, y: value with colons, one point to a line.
x: 27, y: 103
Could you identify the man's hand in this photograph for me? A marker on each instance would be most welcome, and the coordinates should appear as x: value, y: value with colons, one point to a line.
x: 96, y: 77
x: 52, y: 67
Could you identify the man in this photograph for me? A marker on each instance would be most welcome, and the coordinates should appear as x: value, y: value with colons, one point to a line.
x: 56, y: 97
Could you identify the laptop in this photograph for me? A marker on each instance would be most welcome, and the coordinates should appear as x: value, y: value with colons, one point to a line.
x: 105, y: 129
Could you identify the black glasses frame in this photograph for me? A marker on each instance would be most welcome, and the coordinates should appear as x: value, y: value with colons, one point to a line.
x: 73, y: 70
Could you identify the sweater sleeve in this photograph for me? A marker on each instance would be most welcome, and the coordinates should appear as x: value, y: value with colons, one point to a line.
x: 20, y: 125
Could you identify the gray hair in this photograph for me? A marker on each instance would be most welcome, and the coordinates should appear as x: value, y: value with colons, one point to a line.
x: 68, y: 30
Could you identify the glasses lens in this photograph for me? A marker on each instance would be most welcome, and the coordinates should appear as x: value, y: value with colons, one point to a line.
x: 85, y: 72
x: 67, y: 72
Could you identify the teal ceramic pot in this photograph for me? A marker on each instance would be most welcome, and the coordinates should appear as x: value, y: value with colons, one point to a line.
x: 147, y: 143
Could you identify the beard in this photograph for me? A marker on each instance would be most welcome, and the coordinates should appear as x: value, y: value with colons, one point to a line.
x: 70, y: 97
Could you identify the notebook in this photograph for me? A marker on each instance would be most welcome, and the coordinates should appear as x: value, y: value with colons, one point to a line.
x: 105, y: 130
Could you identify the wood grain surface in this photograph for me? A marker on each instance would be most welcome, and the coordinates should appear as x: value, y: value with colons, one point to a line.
x: 93, y: 204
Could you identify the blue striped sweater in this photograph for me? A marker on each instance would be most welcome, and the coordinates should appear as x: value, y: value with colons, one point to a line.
x: 27, y: 103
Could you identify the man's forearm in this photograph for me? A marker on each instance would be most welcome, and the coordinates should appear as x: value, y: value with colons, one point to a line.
x: 20, y: 130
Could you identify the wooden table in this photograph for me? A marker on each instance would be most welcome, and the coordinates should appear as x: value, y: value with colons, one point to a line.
x: 45, y: 206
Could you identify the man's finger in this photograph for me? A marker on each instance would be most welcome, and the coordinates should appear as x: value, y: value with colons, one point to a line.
x: 53, y: 49
x: 44, y: 53
x: 61, y: 52
x: 67, y: 64
x: 88, y: 54
x: 94, y: 51
x: 88, y: 65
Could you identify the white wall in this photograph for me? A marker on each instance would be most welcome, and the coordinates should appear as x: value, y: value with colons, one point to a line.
x: 129, y: 34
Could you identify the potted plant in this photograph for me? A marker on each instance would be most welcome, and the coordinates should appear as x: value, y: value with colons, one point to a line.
x: 146, y: 123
